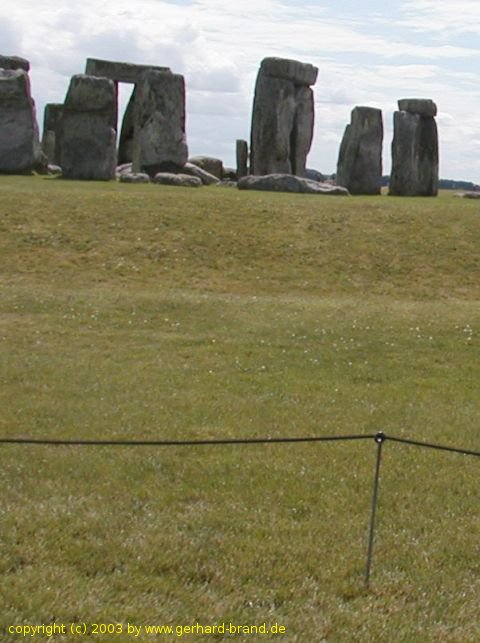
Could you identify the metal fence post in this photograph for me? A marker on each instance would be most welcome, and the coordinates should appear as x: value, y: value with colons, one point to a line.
x: 379, y: 439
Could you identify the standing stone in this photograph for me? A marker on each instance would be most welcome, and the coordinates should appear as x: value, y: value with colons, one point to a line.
x: 210, y: 164
x: 359, y: 166
x: 283, y: 117
x: 242, y: 158
x: 19, y: 141
x: 159, y: 123
x: 302, y: 131
x: 52, y: 117
x: 87, y: 140
x: 414, y: 149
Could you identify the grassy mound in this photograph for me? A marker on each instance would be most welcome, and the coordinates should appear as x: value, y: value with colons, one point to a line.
x: 148, y: 312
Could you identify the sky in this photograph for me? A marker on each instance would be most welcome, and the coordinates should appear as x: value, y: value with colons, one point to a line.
x: 372, y: 52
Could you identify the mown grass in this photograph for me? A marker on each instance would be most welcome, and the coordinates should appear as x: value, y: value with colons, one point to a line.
x: 147, y: 312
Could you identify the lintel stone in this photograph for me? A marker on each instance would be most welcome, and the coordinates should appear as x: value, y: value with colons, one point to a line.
x: 120, y: 72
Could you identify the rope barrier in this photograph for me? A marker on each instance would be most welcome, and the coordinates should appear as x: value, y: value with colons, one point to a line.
x: 379, y: 438
x: 183, y: 443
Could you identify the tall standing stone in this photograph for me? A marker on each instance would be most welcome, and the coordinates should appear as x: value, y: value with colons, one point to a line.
x: 19, y: 140
x: 414, y: 149
x: 52, y: 117
x: 359, y: 167
x: 87, y: 140
x: 283, y: 117
x: 159, y: 123
x: 242, y: 158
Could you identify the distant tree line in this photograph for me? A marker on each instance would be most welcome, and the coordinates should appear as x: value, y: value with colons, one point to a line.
x: 445, y: 184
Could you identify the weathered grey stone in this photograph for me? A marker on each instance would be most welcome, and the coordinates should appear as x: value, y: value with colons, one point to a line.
x: 205, y: 177
x: 359, y: 166
x: 41, y: 162
x: 414, y: 155
x: 52, y: 117
x: 87, y: 140
x: 272, y: 123
x: 133, y: 178
x: 289, y: 183
x: 422, y: 106
x: 55, y: 170
x: 182, y: 180
x: 159, y: 123
x: 14, y: 62
x: 91, y: 94
x: 282, y: 118
x: 242, y: 158
x: 297, y: 72
x: 124, y: 168
x: 315, y: 175
x: 127, y: 132
x: 19, y: 142
x: 227, y: 183
x: 119, y: 71
x: 209, y: 164
x: 229, y: 174
x: 468, y: 195
x: 302, y: 132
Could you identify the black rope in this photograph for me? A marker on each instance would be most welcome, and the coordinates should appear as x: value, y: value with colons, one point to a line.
x: 378, y: 437
x: 429, y: 445
x: 181, y: 443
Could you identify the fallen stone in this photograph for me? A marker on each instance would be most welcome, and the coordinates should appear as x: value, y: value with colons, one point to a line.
x: 87, y: 140
x: 359, y: 166
x: 210, y: 164
x: 159, y: 123
x: 229, y: 174
x: 182, y: 180
x: 19, y: 141
x: 55, y: 170
x: 468, y: 195
x: 134, y: 178
x: 124, y: 168
x: 422, y: 106
x: 227, y: 183
x: 315, y: 175
x: 194, y: 170
x: 289, y: 183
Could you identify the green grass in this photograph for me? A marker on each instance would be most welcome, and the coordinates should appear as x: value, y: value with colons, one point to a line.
x: 148, y: 312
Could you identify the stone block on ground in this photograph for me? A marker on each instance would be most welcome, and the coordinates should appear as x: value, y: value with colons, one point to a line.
x: 210, y: 164
x: 133, y: 178
x: 181, y: 180
x: 195, y: 170
x: 289, y: 183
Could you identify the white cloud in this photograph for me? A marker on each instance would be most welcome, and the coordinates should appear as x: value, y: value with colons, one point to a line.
x: 365, y: 56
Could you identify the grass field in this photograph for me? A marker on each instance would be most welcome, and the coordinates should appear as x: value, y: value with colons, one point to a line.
x: 149, y: 312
